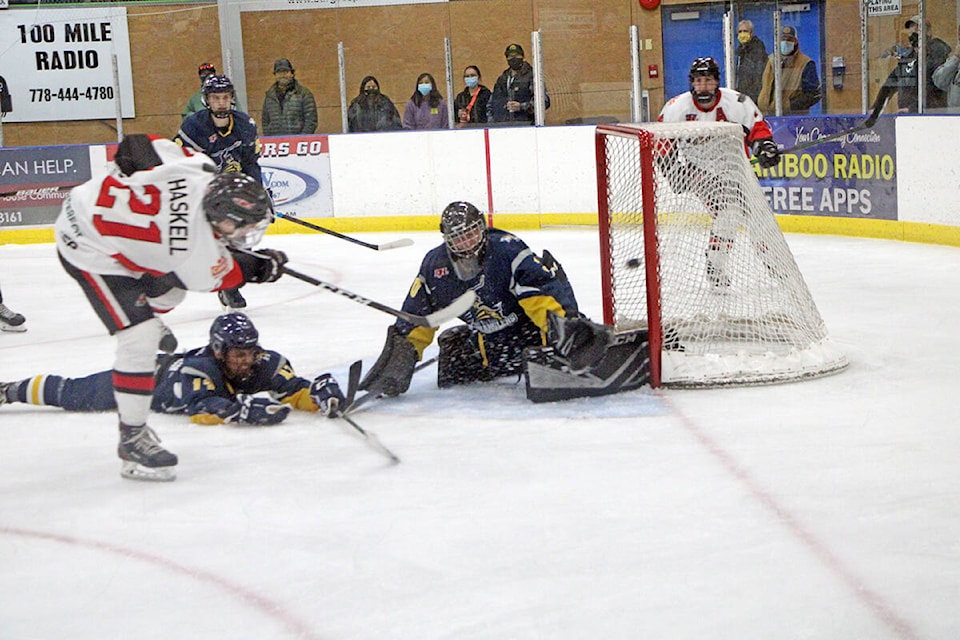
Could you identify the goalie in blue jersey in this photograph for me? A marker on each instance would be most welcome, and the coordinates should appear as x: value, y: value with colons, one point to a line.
x: 213, y: 384
x: 523, y: 301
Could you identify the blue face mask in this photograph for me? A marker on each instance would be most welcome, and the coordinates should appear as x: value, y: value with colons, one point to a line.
x: 424, y: 89
x: 786, y: 47
x: 471, y: 81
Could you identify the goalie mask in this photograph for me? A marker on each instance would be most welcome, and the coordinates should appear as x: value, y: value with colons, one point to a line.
x: 218, y: 84
x: 465, y: 235
x: 704, y: 67
x: 239, y: 209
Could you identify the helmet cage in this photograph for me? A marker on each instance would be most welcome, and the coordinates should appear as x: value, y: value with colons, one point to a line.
x: 465, y: 236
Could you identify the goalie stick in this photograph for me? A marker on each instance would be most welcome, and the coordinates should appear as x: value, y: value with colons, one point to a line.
x: 375, y: 393
x: 395, y: 244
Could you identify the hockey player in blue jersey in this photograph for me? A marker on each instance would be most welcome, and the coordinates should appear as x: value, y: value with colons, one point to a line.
x: 523, y: 301
x: 213, y: 384
x: 229, y: 137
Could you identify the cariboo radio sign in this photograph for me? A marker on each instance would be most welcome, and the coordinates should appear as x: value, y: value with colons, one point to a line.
x: 59, y: 64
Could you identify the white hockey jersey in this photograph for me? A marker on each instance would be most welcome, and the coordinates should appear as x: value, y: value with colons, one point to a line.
x: 150, y: 222
x: 731, y: 107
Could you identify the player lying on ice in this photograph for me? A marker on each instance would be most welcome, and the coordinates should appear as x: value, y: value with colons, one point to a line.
x: 212, y: 384
x: 524, y: 305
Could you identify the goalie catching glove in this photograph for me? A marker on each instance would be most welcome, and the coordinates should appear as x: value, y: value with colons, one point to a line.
x: 766, y: 153
x: 578, y: 340
x: 326, y: 394
x: 259, y: 411
x: 393, y: 370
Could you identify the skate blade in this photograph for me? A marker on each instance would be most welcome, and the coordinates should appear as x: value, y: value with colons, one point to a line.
x: 136, y: 471
x: 20, y: 328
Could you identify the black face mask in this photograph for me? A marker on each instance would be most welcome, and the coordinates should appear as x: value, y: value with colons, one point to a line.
x: 371, y: 92
x: 915, y: 39
x: 515, y: 63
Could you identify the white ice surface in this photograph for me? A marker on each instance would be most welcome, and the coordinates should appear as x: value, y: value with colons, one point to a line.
x: 827, y: 509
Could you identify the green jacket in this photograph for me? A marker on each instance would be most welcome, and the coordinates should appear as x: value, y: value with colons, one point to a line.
x: 194, y: 104
x: 295, y: 113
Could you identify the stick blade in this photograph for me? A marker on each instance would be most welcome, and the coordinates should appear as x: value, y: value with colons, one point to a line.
x: 395, y: 244
x: 454, y: 309
x: 353, y: 382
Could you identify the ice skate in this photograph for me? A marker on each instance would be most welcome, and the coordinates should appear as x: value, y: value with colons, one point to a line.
x: 11, y: 320
x: 143, y: 457
x: 231, y: 299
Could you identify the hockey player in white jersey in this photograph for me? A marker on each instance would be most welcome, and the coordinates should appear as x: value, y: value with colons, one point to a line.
x: 707, y: 102
x: 160, y: 223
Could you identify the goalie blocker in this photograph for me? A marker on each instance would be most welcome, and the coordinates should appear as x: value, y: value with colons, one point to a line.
x: 624, y: 366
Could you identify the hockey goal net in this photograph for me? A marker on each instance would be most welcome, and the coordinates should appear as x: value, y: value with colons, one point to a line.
x: 691, y: 251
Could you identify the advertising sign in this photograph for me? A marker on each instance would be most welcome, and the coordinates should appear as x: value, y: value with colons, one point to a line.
x: 35, y: 180
x: 853, y: 176
x: 59, y: 63
x: 296, y: 169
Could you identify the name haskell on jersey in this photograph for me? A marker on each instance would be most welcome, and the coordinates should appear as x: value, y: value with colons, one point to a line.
x: 149, y: 223
x: 195, y: 384
x: 235, y: 149
x: 514, y: 288
x: 731, y: 107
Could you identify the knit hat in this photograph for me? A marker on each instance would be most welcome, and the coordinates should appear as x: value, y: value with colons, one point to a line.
x: 790, y: 32
x: 513, y: 50
x: 206, y: 69
x: 282, y: 65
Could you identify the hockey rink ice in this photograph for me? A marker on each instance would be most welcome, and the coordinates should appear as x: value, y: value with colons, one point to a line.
x: 820, y: 510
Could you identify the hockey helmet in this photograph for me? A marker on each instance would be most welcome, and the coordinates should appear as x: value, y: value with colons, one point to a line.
x: 464, y: 230
x: 233, y: 331
x: 218, y: 84
x: 242, y: 200
x: 704, y: 67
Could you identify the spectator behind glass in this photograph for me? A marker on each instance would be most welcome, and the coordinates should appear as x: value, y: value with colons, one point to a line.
x: 195, y: 103
x: 372, y: 110
x: 799, y: 82
x: 903, y: 80
x: 289, y: 107
x: 426, y: 108
x: 947, y: 77
x: 471, y: 103
x: 512, y: 99
x: 751, y: 60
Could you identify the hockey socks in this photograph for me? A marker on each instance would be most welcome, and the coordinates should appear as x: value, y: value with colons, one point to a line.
x: 39, y: 390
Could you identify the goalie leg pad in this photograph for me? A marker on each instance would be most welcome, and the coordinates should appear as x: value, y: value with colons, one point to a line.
x: 392, y: 372
x: 624, y: 367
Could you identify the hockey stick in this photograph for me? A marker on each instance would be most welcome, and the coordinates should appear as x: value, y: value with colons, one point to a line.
x: 403, y: 242
x: 869, y: 122
x: 433, y: 320
x: 369, y: 437
x: 375, y: 393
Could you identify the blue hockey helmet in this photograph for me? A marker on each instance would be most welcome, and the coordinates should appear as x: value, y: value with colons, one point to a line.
x: 218, y: 84
x: 464, y: 230
x: 233, y: 331
x: 243, y: 201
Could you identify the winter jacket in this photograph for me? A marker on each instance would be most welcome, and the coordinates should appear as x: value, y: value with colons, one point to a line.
x: 479, y: 111
x: 799, y: 85
x: 288, y: 113
x: 423, y: 116
x: 194, y: 104
x: 751, y: 60
x: 519, y: 88
x: 947, y: 78
x: 373, y: 113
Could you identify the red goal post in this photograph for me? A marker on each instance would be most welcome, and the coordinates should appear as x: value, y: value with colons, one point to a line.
x: 691, y: 251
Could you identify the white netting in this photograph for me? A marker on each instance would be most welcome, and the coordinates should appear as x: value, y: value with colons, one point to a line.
x: 734, y: 307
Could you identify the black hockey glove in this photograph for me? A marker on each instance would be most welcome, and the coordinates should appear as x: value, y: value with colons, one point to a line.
x: 265, y: 265
x: 260, y: 411
x: 326, y: 394
x: 392, y: 372
x: 136, y: 153
x: 582, y: 342
x: 766, y: 153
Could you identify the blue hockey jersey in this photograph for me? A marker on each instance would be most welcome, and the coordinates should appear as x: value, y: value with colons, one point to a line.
x: 235, y: 149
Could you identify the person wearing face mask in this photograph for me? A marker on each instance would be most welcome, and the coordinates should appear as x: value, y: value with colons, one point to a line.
x: 947, y: 77
x: 470, y: 105
x: 751, y: 60
x: 426, y: 108
x: 512, y: 98
x: 799, y: 81
x: 372, y: 110
x: 904, y: 78
x: 289, y: 108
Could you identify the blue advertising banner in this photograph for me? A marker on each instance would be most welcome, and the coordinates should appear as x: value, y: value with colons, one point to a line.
x: 35, y: 180
x: 853, y: 176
